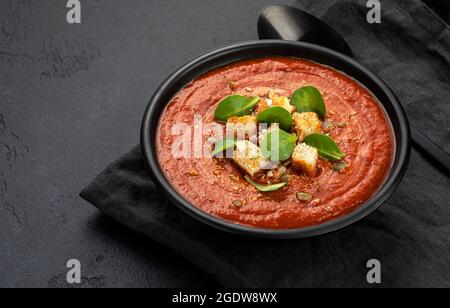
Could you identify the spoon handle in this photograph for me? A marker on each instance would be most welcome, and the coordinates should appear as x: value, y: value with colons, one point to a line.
x: 431, y: 149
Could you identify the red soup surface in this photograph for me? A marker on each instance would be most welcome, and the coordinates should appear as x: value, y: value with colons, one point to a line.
x: 359, y: 126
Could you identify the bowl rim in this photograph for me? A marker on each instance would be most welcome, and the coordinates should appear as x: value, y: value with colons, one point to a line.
x: 152, y: 117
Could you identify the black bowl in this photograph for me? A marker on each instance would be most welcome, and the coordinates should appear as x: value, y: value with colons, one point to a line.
x: 257, y: 49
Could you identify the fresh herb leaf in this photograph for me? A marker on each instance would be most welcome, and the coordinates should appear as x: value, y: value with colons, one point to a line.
x: 235, y: 105
x: 277, y: 115
x: 223, y: 145
x: 326, y: 146
x: 264, y: 188
x: 309, y: 99
x: 279, y: 145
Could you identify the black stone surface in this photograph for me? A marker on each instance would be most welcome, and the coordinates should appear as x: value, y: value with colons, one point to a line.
x: 71, y: 101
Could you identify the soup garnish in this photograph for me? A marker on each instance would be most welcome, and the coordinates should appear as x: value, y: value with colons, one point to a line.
x: 293, y: 138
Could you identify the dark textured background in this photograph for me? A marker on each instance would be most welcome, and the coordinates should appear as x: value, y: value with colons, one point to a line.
x: 71, y: 100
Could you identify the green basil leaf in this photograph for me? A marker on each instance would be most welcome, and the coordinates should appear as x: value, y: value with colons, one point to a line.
x: 277, y: 115
x: 309, y: 99
x: 265, y: 188
x: 326, y: 146
x: 279, y: 145
x: 223, y: 145
x: 235, y: 106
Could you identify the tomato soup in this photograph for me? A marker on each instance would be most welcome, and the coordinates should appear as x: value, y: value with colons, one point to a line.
x: 355, y: 120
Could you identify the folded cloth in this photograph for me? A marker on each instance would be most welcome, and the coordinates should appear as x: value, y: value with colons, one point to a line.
x: 410, y: 235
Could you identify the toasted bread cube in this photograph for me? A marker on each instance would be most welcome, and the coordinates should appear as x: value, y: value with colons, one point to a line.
x: 278, y: 101
x: 283, y: 101
x: 305, y: 159
x: 242, y: 128
x: 306, y: 123
x: 248, y: 156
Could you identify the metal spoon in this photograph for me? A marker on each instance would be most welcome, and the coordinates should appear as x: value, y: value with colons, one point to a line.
x: 288, y: 23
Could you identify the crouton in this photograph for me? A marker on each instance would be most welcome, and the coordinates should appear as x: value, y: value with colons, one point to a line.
x: 279, y: 101
x: 305, y: 159
x: 264, y: 132
x: 248, y: 156
x: 306, y: 124
x: 242, y: 128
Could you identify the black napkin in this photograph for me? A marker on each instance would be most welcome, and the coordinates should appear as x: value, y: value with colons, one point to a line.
x: 410, y: 235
